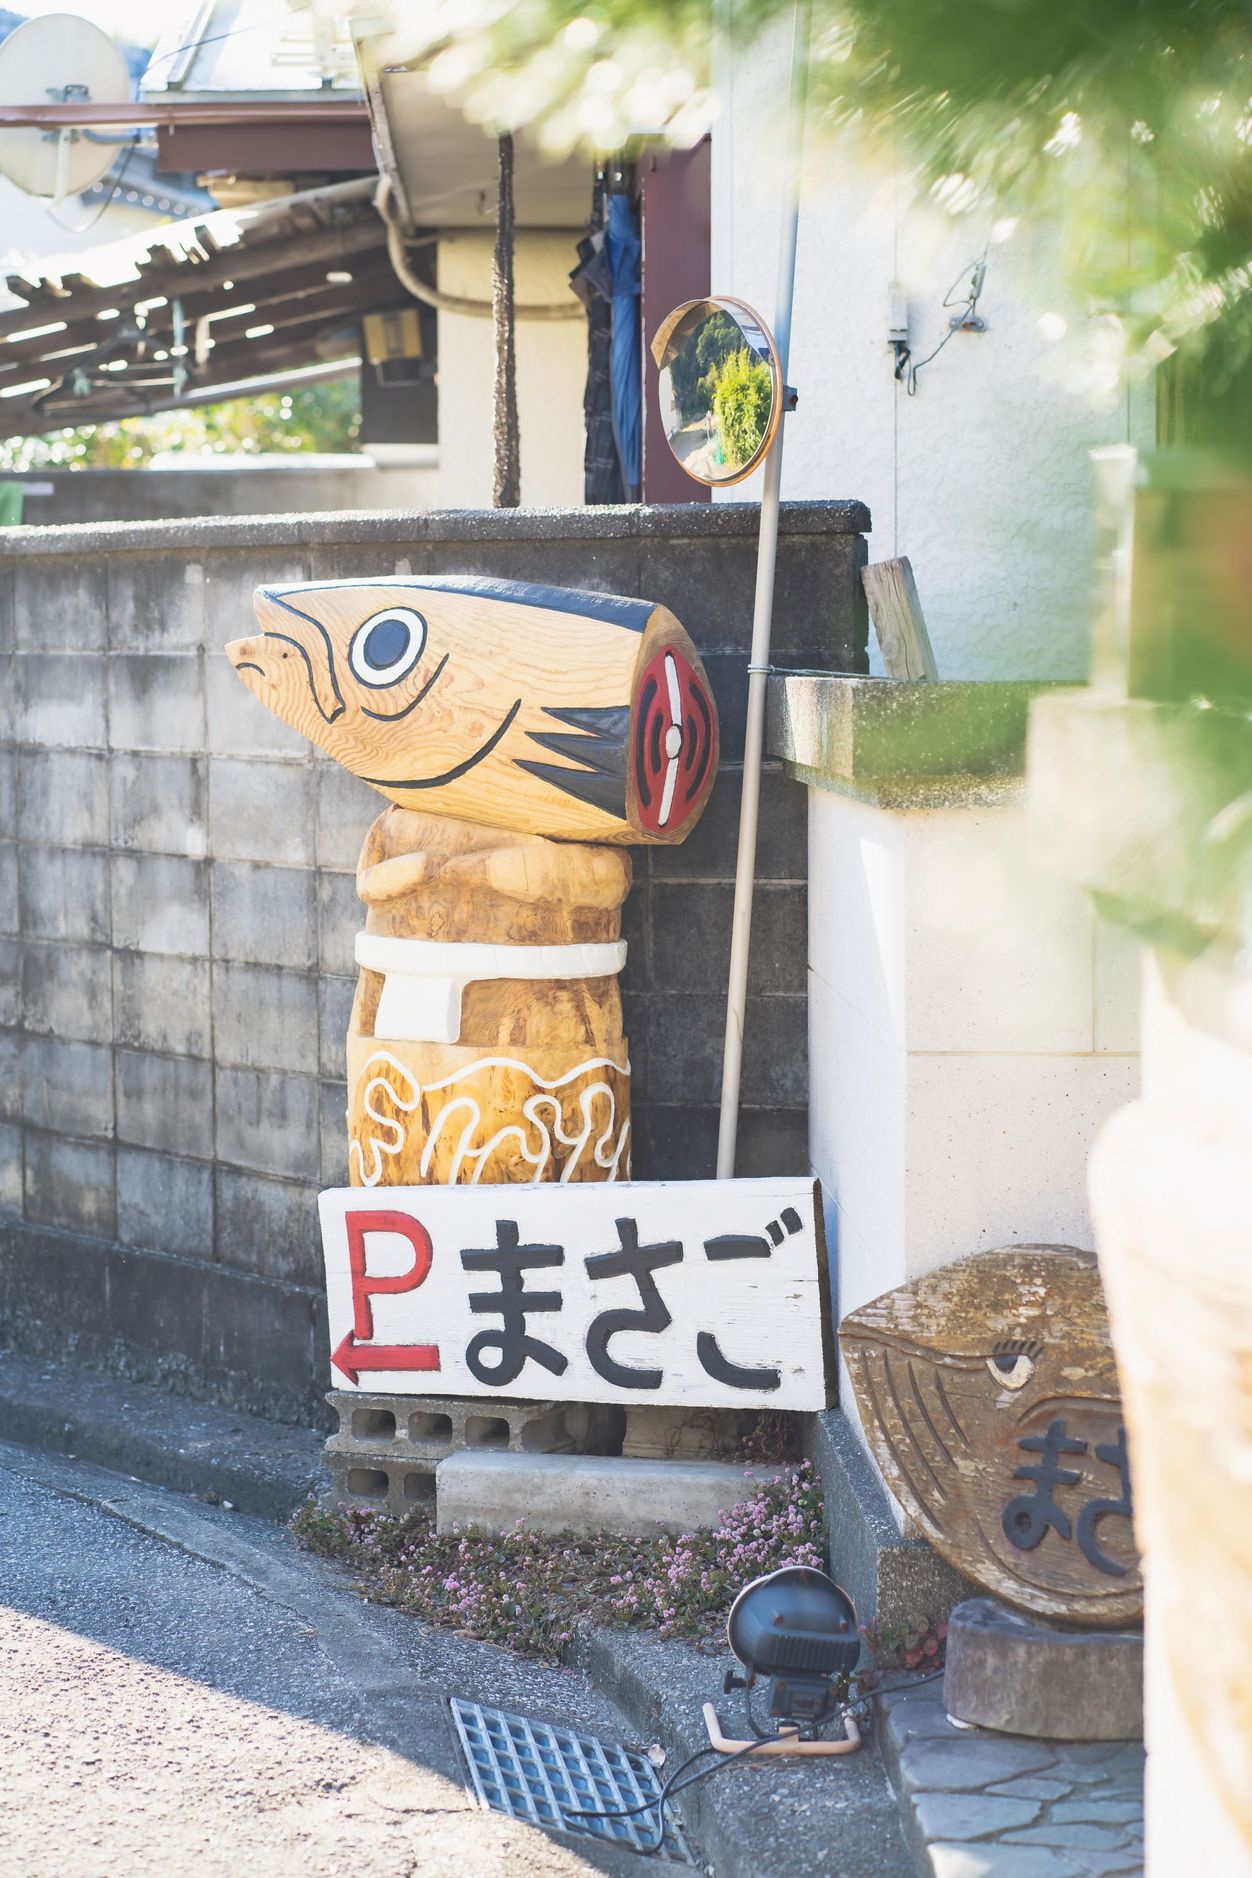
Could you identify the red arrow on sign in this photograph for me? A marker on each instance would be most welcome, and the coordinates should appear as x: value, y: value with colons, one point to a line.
x: 351, y: 1357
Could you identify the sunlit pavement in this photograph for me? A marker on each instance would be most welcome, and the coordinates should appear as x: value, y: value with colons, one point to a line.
x: 182, y: 1692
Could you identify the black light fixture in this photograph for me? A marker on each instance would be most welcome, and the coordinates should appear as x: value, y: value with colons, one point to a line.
x: 797, y: 1629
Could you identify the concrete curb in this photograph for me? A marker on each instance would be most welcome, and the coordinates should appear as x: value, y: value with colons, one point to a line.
x: 261, y: 1467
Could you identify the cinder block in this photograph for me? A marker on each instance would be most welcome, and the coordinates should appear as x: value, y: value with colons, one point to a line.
x: 160, y: 804
x: 264, y: 1018
x: 161, y: 1003
x: 60, y: 699
x: 56, y: 605
x: 67, y: 991
x: 346, y: 809
x: 264, y: 915
x: 268, y: 1122
x: 261, y: 811
x: 340, y: 917
x: 155, y: 603
x: 334, y: 1008
x: 156, y: 701
x: 261, y: 1337
x: 685, y: 1049
x: 334, y: 1141
x: 10, y: 899
x: 67, y: 1088
x: 10, y: 1076
x: 164, y: 1204
x: 268, y: 1226
x: 586, y: 1493
x: 11, y: 1178
x: 388, y: 1447
x: 709, y: 853
x: 70, y: 1183
x: 165, y: 1102
x: 64, y: 894
x: 8, y: 785
x: 691, y: 936
x: 160, y: 904
x: 238, y: 724
x: 232, y: 576
x: 63, y: 798
x: 10, y: 987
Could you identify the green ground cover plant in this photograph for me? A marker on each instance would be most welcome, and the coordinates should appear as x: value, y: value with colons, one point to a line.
x: 533, y: 1592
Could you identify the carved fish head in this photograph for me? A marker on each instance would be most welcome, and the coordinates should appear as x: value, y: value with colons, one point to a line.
x: 973, y: 1374
x: 540, y: 709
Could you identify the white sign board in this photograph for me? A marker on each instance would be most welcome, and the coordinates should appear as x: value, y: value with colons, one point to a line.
x: 705, y: 1293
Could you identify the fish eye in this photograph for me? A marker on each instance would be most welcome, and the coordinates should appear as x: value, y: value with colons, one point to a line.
x: 387, y: 647
x: 1012, y: 1369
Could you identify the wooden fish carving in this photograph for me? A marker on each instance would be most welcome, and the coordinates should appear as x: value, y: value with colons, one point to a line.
x: 579, y: 716
x: 522, y: 736
x: 989, y: 1396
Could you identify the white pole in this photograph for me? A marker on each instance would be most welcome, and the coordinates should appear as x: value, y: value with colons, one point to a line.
x: 762, y: 615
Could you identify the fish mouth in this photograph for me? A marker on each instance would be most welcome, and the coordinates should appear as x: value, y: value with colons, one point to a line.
x: 458, y: 769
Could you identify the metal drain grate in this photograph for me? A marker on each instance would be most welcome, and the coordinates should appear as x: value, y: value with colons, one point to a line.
x: 530, y: 1771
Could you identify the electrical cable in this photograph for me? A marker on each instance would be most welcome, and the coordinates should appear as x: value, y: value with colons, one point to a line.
x: 672, y: 1786
x: 75, y: 228
x: 573, y: 309
x: 976, y: 274
x: 895, y: 1688
x: 212, y: 39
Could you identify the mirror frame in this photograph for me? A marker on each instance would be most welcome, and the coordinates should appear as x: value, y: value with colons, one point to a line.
x: 660, y: 350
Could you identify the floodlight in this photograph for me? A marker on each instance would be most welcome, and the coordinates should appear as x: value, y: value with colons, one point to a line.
x: 798, y: 1629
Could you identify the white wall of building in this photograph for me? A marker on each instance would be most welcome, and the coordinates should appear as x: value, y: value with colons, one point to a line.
x: 551, y: 374
x: 981, y: 478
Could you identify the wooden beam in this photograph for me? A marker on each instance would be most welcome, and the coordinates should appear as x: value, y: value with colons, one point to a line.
x: 898, y: 619
x: 170, y: 277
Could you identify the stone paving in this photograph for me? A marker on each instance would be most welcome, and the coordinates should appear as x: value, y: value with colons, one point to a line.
x: 983, y: 1805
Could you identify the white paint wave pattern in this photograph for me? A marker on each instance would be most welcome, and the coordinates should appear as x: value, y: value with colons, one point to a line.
x: 609, y: 1148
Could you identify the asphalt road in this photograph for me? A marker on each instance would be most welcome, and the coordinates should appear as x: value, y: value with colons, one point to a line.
x: 181, y: 1692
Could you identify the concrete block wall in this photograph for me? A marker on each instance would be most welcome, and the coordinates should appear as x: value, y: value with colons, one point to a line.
x: 177, y: 914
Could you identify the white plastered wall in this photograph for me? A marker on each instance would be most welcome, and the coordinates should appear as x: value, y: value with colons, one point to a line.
x: 551, y: 374
x: 982, y: 478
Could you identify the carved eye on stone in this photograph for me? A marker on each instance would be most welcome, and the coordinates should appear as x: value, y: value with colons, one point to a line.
x: 1012, y: 1368
x: 387, y: 647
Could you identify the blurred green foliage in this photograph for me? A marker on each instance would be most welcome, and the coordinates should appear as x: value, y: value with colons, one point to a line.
x: 1125, y: 125
x: 742, y: 403
x: 322, y: 417
x: 695, y: 368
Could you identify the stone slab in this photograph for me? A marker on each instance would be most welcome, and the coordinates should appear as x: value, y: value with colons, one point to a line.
x: 1022, y: 1676
x: 902, y: 745
x: 587, y: 1493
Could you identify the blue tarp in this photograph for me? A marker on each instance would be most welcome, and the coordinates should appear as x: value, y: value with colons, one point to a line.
x: 624, y: 252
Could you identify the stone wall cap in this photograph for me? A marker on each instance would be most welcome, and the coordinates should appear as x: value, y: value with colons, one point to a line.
x: 400, y: 528
x: 902, y: 744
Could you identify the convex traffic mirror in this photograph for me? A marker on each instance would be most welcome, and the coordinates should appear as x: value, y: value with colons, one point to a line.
x: 721, y: 388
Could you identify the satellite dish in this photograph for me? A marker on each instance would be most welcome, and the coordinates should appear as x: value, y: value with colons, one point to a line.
x: 68, y: 59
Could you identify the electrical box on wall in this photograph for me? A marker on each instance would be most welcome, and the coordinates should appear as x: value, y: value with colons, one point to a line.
x: 897, y: 315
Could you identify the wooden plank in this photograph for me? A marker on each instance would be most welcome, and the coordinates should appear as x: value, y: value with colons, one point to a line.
x: 684, y: 1294
x: 989, y: 1395
x: 898, y: 619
